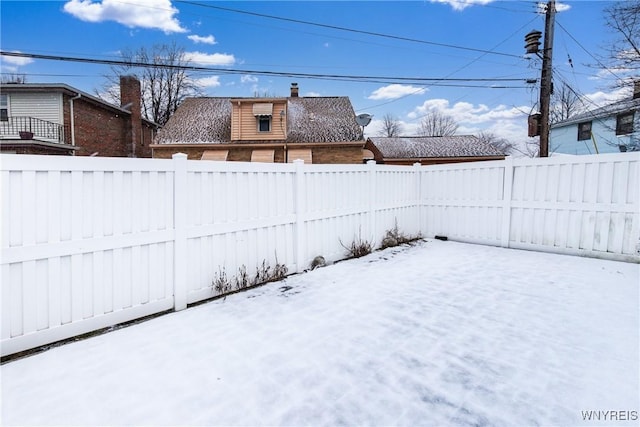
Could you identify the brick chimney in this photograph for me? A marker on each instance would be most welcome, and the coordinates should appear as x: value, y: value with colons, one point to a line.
x: 636, y: 89
x: 130, y: 98
x: 294, y: 90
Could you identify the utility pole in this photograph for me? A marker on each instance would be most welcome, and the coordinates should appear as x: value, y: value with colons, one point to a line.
x: 546, y: 84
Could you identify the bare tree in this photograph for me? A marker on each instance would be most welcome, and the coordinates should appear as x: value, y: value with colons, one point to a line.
x: 391, y: 126
x: 165, y: 82
x: 500, y: 143
x: 564, y: 104
x: 436, y: 123
x: 623, y: 19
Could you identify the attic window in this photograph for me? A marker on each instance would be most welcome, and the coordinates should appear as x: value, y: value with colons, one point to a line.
x: 624, y: 124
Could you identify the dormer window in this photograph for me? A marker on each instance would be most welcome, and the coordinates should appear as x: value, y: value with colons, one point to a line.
x: 263, y: 112
x: 264, y: 123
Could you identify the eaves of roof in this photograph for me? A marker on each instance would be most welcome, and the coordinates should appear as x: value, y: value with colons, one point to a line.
x: 66, y: 90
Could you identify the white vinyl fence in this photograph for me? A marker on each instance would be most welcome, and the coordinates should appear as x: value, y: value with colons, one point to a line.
x: 88, y: 243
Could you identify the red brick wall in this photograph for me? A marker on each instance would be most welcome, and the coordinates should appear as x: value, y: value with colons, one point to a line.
x: 104, y: 131
x: 130, y: 98
x: 98, y: 130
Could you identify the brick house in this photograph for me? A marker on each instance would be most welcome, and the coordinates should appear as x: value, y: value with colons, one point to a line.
x: 59, y: 119
x: 278, y: 130
x: 431, y: 150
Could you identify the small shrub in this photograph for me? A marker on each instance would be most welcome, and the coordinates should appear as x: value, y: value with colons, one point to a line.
x: 394, y: 237
x: 358, y: 247
x: 242, y: 279
x: 221, y: 282
x: 265, y: 273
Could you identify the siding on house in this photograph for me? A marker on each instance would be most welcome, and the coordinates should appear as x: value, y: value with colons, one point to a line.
x: 563, y: 136
x: 99, y: 128
x: 564, y: 139
x: 43, y: 106
x: 244, y: 124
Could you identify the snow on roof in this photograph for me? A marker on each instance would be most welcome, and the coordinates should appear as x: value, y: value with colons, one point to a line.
x: 208, y: 120
x: 321, y: 119
x: 407, y: 147
x: 198, y: 120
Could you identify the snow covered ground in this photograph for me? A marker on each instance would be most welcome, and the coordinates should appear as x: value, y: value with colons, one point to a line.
x: 441, y: 333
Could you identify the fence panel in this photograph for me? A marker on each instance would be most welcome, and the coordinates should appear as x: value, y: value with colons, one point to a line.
x: 464, y: 201
x: 79, y: 249
x: 241, y: 217
x: 585, y: 205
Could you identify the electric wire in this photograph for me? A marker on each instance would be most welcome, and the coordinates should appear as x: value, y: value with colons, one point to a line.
x: 351, y: 30
x: 358, y: 78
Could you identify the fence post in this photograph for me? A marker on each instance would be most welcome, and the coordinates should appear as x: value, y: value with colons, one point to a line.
x: 180, y: 231
x: 371, y: 165
x: 507, y: 190
x: 300, y: 237
x: 418, y: 193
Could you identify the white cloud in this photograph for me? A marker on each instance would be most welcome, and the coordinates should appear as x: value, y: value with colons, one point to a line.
x: 467, y: 113
x: 248, y: 79
x: 599, y: 99
x: 213, y: 81
x: 155, y: 14
x: 210, y: 58
x: 200, y: 39
x: 395, y: 91
x: 312, y: 94
x: 462, y: 4
x: 503, y: 121
x: 18, y: 61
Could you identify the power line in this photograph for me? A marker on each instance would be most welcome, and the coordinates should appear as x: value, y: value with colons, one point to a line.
x: 359, y: 78
x: 588, y: 53
x: 351, y: 30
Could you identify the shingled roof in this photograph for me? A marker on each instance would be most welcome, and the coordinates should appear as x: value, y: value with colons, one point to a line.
x: 198, y: 120
x: 410, y: 147
x: 313, y: 119
x: 330, y: 119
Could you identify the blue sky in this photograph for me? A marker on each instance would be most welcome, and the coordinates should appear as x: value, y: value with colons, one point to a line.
x: 474, y: 39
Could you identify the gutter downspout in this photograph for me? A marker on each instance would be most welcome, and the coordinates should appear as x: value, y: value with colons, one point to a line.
x: 73, y: 128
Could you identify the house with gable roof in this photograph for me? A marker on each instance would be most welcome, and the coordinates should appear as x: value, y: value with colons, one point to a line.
x: 613, y: 128
x: 58, y: 119
x: 276, y: 130
x: 431, y: 150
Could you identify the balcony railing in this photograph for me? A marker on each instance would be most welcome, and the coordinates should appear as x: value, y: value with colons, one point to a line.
x: 41, y: 129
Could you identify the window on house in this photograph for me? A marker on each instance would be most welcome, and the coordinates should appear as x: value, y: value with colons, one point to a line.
x: 4, y: 108
x: 624, y: 124
x: 584, y: 131
x: 264, y: 124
